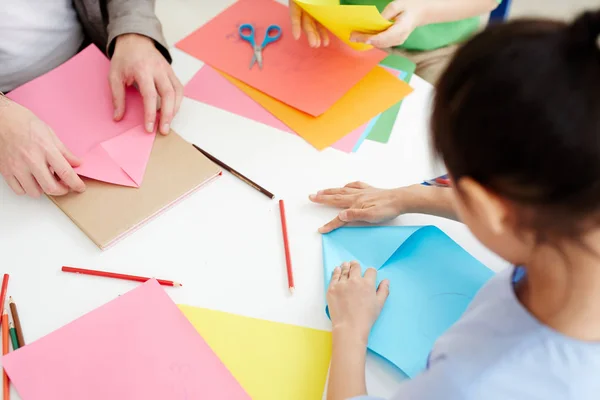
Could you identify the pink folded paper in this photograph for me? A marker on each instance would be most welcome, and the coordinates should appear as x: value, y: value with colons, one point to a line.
x: 210, y: 87
x: 75, y: 100
x: 138, y: 346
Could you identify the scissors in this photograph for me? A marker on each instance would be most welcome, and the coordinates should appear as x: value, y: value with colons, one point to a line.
x: 272, y: 34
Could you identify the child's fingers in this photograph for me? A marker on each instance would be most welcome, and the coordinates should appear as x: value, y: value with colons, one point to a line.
x: 393, y: 9
x: 310, y: 27
x: 332, y: 225
x: 335, y: 276
x: 296, y: 18
x: 371, y: 275
x: 345, y: 271
x: 354, y: 270
x: 394, y: 36
x: 383, y: 291
x: 324, y: 34
x: 359, y: 37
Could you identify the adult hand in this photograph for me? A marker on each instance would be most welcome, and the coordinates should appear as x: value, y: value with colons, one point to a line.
x: 407, y: 15
x: 136, y: 60
x: 301, y: 21
x: 32, y: 159
x: 364, y: 203
x: 353, y: 301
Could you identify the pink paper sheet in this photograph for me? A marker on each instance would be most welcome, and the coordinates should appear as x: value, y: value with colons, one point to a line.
x: 138, y: 346
x: 210, y: 87
x: 75, y: 100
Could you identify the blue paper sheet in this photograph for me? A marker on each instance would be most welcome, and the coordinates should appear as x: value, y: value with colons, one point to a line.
x: 432, y: 281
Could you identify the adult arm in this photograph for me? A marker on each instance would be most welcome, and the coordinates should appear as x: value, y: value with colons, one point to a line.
x: 134, y: 16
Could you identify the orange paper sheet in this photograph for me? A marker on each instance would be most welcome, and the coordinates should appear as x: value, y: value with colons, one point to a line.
x: 308, y: 79
x: 377, y: 92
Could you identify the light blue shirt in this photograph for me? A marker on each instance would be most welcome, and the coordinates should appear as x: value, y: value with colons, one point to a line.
x: 499, y: 351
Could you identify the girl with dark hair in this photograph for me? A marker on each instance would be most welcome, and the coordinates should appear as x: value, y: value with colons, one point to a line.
x: 516, y: 120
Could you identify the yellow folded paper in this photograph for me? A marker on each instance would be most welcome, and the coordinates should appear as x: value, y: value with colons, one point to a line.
x: 343, y: 20
x: 374, y: 94
x: 272, y: 361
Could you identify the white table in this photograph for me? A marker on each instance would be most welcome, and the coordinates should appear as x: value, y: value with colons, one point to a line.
x: 224, y: 242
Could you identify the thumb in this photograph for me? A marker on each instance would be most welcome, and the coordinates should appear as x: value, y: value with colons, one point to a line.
x: 393, y: 9
x: 383, y: 291
x: 118, y: 91
x: 70, y: 157
x: 355, y: 214
x: 73, y: 160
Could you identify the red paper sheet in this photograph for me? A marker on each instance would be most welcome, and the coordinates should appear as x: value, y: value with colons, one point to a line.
x: 308, y: 79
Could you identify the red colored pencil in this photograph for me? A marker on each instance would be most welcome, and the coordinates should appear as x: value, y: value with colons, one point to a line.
x: 288, y: 259
x: 117, y: 276
x: 3, y: 292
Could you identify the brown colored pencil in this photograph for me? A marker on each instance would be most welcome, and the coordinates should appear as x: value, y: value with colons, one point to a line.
x: 238, y: 175
x: 15, y: 316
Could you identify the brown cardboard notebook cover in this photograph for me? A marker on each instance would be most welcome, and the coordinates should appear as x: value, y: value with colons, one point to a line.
x: 106, y: 213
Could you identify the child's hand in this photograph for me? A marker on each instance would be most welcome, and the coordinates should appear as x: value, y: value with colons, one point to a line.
x: 407, y: 15
x: 301, y: 21
x: 354, y: 304
x: 364, y: 203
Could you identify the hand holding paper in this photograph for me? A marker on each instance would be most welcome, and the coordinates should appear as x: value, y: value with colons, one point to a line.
x: 136, y: 59
x: 432, y: 281
x: 316, y: 33
x: 353, y: 300
x: 342, y: 21
x: 75, y: 100
x: 31, y: 154
x: 406, y: 16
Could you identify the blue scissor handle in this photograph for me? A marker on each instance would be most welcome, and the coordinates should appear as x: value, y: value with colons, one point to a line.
x: 249, y: 37
x: 272, y: 34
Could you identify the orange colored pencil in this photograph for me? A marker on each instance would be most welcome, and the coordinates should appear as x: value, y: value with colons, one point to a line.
x: 5, y: 387
x: 3, y: 292
x: 288, y: 258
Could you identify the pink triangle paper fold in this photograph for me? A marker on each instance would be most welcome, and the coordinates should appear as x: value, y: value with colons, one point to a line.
x: 131, y: 151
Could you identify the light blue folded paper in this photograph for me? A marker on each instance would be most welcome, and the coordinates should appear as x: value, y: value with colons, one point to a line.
x: 432, y: 281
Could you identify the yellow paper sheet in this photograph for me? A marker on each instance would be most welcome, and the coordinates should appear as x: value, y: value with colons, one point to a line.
x: 375, y: 93
x: 272, y: 361
x: 343, y: 20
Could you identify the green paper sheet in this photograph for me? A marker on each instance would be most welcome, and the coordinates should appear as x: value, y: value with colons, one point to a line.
x: 382, y: 130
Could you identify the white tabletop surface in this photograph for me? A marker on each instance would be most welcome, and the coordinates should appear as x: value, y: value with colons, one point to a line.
x: 224, y: 242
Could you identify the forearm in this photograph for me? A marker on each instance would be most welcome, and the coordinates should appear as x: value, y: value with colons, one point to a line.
x: 420, y: 199
x: 347, y: 371
x: 134, y: 16
x: 436, y: 11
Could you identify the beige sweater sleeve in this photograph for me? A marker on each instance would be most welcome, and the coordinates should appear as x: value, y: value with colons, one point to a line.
x: 134, y: 16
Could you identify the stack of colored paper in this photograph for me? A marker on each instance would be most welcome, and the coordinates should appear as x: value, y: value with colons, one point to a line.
x: 328, y: 96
